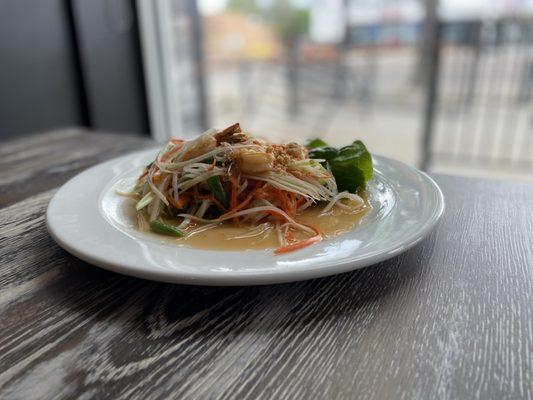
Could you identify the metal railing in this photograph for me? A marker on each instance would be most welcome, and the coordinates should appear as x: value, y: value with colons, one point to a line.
x: 482, y: 109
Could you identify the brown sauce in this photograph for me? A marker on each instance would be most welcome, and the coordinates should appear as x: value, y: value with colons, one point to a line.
x: 229, y: 237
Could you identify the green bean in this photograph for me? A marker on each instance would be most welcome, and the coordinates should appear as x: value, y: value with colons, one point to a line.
x: 218, y: 190
x: 160, y: 227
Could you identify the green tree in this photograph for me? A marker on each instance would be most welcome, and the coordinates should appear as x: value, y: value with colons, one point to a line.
x: 244, y: 6
x: 288, y: 21
x: 290, y: 24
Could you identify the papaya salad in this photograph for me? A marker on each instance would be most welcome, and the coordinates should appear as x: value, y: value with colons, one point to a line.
x: 230, y: 177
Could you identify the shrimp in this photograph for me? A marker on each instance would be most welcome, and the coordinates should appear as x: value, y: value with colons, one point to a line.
x: 204, y: 144
x: 251, y: 161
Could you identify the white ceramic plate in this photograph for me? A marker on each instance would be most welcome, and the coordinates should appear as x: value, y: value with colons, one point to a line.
x: 88, y: 219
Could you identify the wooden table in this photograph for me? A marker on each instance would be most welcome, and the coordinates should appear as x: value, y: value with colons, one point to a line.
x: 452, y: 318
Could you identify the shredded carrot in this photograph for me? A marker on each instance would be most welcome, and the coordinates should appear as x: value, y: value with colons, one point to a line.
x: 280, y: 197
x: 299, y: 245
x: 283, y: 199
x: 181, y: 202
x: 213, y: 199
x: 293, y: 202
x: 301, y: 201
x: 261, y: 193
x: 302, y: 243
x: 157, y: 178
x: 172, y: 152
x: 203, y: 196
x: 212, y: 166
x: 289, y: 202
x: 234, y: 189
x: 153, y: 168
x: 245, y: 202
x: 234, y: 197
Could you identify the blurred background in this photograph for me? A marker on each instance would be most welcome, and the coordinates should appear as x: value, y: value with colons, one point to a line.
x: 445, y: 85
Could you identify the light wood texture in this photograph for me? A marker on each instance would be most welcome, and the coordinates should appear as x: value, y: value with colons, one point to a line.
x: 450, y: 319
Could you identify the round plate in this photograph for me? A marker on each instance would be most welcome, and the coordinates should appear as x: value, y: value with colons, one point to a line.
x: 88, y: 219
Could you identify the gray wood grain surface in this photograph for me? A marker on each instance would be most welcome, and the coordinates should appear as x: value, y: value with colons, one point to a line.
x: 31, y: 165
x: 450, y: 319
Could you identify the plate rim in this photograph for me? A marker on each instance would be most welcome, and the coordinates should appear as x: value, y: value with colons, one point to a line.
x: 327, y: 268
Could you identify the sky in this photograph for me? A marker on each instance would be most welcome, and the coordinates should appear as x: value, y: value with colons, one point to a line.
x: 449, y: 8
x: 208, y: 7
